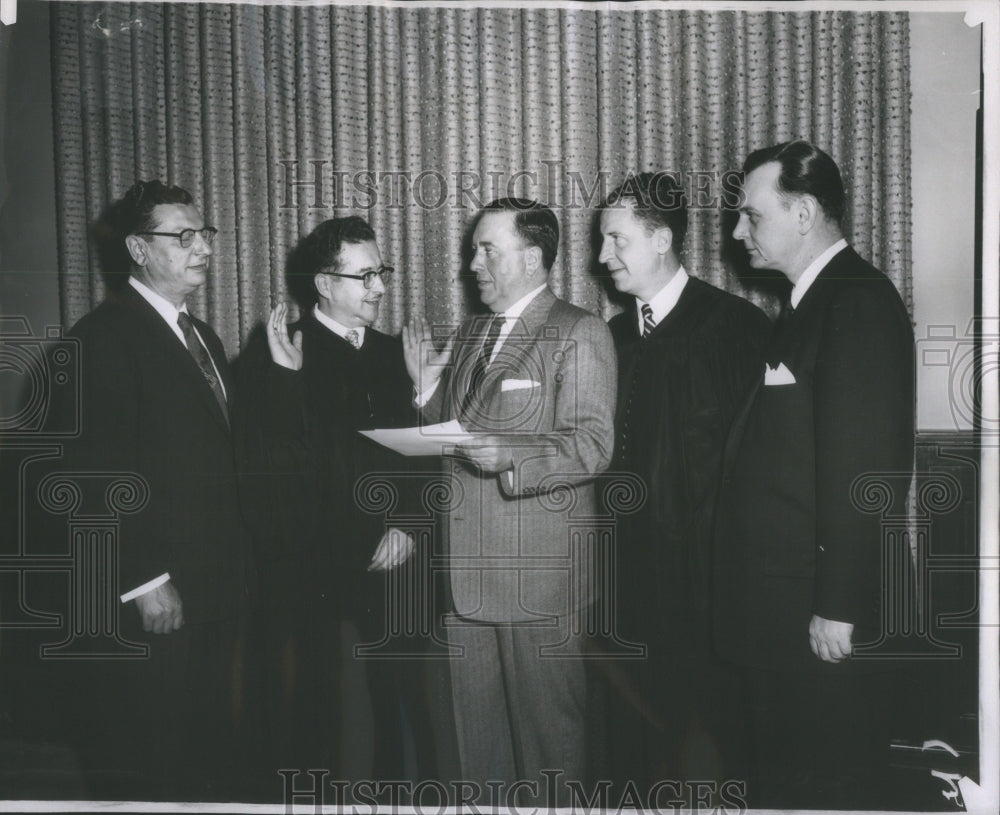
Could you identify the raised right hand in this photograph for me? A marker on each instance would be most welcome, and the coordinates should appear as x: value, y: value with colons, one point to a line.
x: 285, y: 352
x: 424, y: 363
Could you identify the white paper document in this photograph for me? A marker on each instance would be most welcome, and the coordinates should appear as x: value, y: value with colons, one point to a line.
x: 430, y: 440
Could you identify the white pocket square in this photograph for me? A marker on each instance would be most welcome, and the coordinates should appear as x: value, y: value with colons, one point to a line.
x: 778, y: 376
x: 518, y: 384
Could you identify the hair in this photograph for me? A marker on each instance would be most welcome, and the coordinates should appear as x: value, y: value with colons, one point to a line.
x: 320, y: 250
x: 534, y: 223
x: 135, y: 210
x: 805, y: 170
x: 660, y: 201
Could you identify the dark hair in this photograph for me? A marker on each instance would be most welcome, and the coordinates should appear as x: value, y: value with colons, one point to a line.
x: 320, y: 250
x: 534, y: 223
x: 660, y: 201
x: 135, y: 210
x: 805, y: 170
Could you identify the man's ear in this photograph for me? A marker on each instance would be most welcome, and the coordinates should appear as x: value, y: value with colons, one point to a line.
x: 138, y: 249
x: 322, y: 283
x: 533, y: 260
x: 664, y: 239
x: 806, y: 212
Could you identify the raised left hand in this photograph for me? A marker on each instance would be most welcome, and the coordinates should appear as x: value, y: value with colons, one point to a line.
x: 830, y: 640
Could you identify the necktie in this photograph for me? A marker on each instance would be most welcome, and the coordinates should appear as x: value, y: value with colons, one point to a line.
x: 204, y: 362
x: 353, y: 338
x: 647, y: 320
x: 780, y: 332
x: 482, y: 363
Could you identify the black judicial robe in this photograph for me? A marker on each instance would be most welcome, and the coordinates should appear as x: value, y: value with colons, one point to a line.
x: 314, y: 533
x: 679, y: 391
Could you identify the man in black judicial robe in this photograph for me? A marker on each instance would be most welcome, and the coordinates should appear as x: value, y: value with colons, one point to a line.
x: 324, y: 549
x: 688, y: 353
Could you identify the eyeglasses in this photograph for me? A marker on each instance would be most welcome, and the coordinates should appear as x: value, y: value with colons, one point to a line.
x: 368, y: 277
x: 186, y: 236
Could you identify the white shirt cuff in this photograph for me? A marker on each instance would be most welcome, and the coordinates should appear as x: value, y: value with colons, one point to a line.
x: 422, y: 399
x: 145, y: 588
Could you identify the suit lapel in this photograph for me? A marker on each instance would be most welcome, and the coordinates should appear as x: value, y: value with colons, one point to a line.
x: 175, y: 354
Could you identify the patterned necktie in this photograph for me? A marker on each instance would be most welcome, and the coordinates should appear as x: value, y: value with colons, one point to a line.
x: 482, y: 363
x: 647, y: 320
x: 353, y: 338
x: 203, y: 360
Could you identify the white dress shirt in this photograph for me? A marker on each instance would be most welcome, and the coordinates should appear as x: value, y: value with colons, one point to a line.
x: 664, y: 300
x: 339, y: 328
x: 812, y: 272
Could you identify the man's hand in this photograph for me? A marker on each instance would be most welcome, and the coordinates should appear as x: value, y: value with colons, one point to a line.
x: 829, y: 639
x: 491, y: 454
x: 393, y: 550
x: 285, y: 352
x: 423, y: 363
x: 161, y: 609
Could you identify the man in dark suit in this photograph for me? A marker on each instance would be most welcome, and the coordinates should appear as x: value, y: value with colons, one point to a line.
x: 535, y: 383
x: 156, y: 398
x: 324, y: 557
x: 687, y: 356
x: 799, y: 562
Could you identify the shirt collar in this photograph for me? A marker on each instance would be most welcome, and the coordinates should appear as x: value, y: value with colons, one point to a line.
x: 338, y: 328
x: 665, y: 299
x: 167, y: 310
x: 812, y: 272
x: 518, y: 308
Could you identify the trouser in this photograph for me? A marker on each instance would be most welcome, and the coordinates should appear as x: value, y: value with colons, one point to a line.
x: 519, y: 707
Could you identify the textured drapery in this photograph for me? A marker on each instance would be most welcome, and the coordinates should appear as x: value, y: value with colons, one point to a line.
x: 413, y: 116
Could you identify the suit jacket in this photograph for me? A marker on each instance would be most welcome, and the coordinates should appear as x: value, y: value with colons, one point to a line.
x: 551, y: 391
x: 147, y: 409
x: 679, y: 391
x: 794, y: 537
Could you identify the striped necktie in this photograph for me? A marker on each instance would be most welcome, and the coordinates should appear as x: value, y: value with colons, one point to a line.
x: 647, y: 320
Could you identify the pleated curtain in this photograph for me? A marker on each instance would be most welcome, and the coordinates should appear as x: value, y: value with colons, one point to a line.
x: 410, y: 117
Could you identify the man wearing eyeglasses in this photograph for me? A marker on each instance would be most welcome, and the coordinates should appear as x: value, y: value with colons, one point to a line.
x: 155, y: 401
x: 324, y: 563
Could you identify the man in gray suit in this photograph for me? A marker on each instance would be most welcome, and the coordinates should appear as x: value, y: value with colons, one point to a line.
x: 535, y: 382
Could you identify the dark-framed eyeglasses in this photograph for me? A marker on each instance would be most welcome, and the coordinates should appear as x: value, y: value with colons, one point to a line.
x: 368, y: 278
x: 186, y: 236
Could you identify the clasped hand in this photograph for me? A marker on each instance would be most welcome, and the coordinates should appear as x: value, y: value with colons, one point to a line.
x: 830, y: 640
x: 491, y: 454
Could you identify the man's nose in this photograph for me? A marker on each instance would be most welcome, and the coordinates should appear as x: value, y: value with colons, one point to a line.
x: 476, y: 264
x: 740, y: 231
x: 605, y: 255
x: 378, y: 284
x: 202, y: 246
